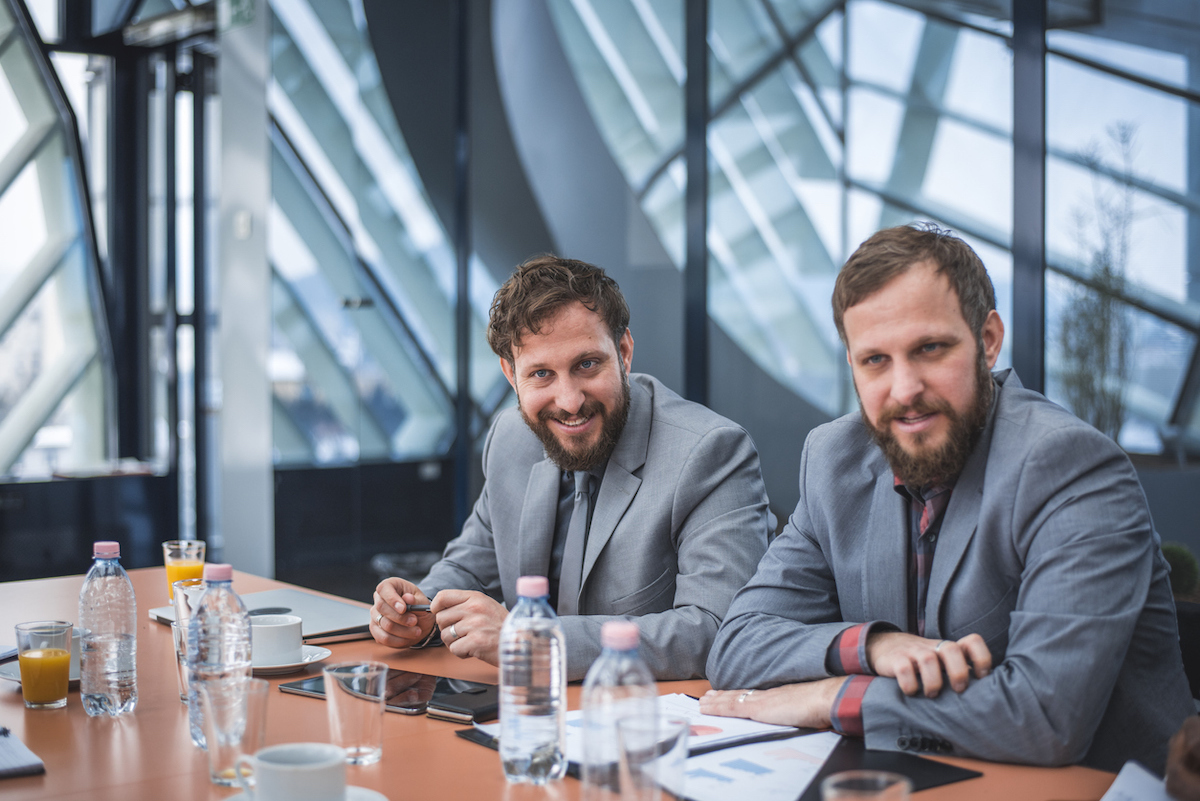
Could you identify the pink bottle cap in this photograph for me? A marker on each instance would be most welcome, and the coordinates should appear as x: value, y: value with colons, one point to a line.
x: 620, y: 635
x: 106, y: 549
x: 533, y: 586
x: 217, y: 572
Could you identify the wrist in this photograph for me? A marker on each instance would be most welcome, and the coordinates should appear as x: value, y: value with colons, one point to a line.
x: 432, y: 638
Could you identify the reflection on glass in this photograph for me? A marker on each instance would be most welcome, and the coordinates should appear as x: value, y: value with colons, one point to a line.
x: 53, y: 389
x: 363, y: 360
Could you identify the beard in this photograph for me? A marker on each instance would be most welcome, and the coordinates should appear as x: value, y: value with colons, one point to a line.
x: 928, y: 467
x: 591, y: 456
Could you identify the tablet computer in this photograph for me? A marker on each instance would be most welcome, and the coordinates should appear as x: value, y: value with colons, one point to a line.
x: 412, y: 693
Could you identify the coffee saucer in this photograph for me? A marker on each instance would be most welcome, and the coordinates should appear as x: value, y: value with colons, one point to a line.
x: 352, y: 794
x: 311, y: 655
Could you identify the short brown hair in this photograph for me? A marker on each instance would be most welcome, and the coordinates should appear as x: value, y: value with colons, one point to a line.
x: 892, y: 251
x: 543, y: 285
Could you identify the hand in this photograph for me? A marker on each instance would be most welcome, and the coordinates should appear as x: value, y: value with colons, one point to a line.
x: 1183, y: 762
x: 391, y: 622
x: 807, y: 704
x: 470, y: 622
x: 916, y: 662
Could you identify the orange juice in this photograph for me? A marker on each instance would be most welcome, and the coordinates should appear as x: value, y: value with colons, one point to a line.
x: 183, y: 569
x: 44, y: 674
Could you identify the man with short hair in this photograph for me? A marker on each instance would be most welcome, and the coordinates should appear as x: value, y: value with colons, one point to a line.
x: 635, y: 503
x: 970, y: 570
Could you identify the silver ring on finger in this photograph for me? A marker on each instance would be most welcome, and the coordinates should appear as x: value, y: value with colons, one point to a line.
x: 379, y: 620
x: 742, y: 698
x: 453, y: 631
x: 938, y: 647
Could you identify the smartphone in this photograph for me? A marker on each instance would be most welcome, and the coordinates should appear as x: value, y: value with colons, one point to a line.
x: 409, y: 693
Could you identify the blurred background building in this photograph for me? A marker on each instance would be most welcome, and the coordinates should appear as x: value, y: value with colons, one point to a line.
x: 247, y: 248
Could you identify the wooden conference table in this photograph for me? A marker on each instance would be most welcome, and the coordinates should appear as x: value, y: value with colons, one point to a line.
x: 149, y: 754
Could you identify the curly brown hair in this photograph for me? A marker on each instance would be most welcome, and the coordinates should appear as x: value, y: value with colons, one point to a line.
x: 543, y: 285
x: 889, y: 253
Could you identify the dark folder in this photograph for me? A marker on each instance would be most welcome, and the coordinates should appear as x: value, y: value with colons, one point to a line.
x: 851, y: 754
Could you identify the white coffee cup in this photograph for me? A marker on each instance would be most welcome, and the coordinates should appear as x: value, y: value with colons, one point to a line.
x: 275, y: 640
x: 295, y: 772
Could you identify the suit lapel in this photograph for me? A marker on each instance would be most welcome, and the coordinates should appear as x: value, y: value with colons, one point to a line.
x: 959, y: 524
x: 620, y: 483
x: 537, y: 518
x: 885, y: 572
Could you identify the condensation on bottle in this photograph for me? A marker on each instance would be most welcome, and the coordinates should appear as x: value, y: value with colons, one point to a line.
x: 108, y: 635
x: 533, y: 688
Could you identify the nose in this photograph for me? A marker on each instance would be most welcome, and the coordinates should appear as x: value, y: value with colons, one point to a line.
x: 907, y: 383
x: 569, y: 396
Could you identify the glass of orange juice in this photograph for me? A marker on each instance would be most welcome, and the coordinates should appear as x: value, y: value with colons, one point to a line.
x: 184, y: 560
x: 44, y: 653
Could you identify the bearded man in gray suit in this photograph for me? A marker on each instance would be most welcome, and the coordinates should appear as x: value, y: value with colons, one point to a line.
x: 970, y: 570
x: 635, y: 503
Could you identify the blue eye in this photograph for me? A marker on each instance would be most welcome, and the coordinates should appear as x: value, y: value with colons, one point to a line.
x: 540, y: 373
x: 587, y: 364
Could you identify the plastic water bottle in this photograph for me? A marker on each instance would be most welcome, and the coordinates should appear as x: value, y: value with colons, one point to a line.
x: 218, y: 640
x: 618, y: 685
x: 533, y: 687
x: 108, y: 635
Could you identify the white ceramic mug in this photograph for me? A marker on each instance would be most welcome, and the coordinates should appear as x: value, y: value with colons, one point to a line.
x: 294, y: 772
x: 275, y: 640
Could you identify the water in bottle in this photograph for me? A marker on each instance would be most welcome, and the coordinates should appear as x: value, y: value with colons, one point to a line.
x: 108, y: 635
x: 533, y: 687
x: 618, y: 685
x: 218, y: 640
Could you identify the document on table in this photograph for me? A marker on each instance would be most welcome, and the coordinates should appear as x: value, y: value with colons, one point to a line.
x: 779, y: 770
x: 707, y: 733
x: 1135, y: 783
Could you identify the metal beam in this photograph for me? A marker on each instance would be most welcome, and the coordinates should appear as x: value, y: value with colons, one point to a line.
x: 1029, y: 192
x: 463, y: 443
x: 695, y: 270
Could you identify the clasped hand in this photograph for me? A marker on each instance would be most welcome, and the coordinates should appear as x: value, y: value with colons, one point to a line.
x: 469, y: 621
x: 918, y: 663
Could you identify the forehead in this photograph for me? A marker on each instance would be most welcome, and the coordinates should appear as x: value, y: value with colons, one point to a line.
x: 918, y: 303
x: 571, y: 331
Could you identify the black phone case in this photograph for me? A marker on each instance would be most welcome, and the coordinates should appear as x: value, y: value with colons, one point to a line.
x: 466, y: 707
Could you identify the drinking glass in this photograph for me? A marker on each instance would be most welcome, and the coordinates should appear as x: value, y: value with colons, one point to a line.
x: 184, y: 559
x: 235, y: 723
x: 354, y: 693
x: 44, y: 653
x: 860, y: 785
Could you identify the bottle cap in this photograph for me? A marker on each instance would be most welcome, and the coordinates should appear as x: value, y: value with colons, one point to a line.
x: 620, y: 635
x: 533, y: 586
x: 218, y: 572
x: 106, y: 549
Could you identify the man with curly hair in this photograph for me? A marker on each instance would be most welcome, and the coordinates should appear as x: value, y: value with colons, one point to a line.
x: 636, y: 503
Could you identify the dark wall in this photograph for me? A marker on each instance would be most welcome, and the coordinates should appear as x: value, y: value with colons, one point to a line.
x: 47, y: 528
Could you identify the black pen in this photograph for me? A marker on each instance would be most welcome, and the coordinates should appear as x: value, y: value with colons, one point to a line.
x: 418, y: 608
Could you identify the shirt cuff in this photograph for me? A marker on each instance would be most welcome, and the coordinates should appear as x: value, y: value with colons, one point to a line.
x: 846, y: 715
x: 847, y: 654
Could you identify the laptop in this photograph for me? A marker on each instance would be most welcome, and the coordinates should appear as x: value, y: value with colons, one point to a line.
x: 324, y: 620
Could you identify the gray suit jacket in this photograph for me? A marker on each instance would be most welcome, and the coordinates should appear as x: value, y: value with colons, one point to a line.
x: 1046, y: 550
x: 679, y: 525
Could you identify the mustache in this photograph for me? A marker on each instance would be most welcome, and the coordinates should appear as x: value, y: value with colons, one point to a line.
x: 917, y: 408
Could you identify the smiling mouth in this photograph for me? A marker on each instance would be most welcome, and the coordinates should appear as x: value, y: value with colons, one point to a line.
x: 574, y: 422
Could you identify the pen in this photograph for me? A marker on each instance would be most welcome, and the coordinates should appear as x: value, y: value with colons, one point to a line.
x: 417, y: 608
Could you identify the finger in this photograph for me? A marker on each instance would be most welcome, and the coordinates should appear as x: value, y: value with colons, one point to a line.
x: 448, y: 599
x: 388, y: 591
x: 954, y: 661
x: 978, y: 653
x: 930, y: 667
x: 906, y: 677
x: 723, y: 703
